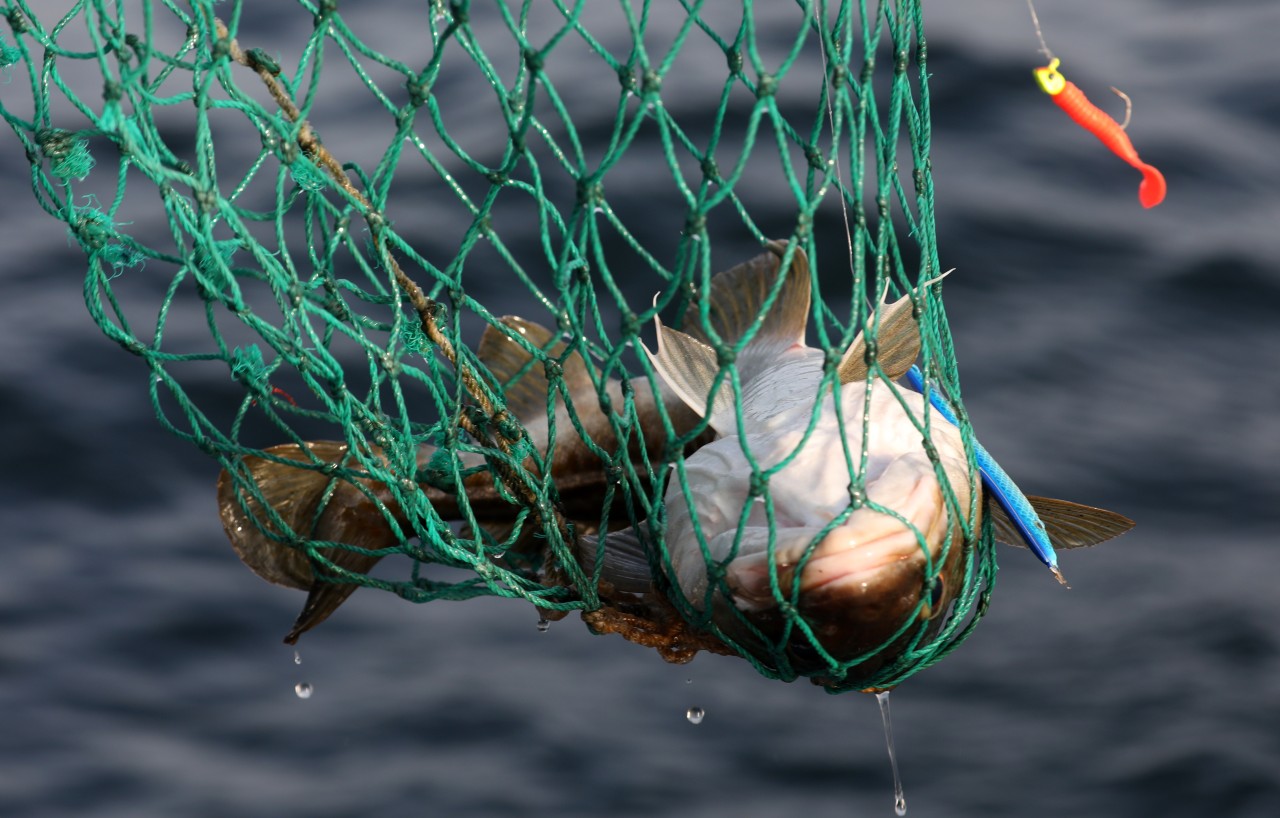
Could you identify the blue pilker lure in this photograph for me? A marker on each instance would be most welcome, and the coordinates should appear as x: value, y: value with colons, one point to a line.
x: 996, y: 481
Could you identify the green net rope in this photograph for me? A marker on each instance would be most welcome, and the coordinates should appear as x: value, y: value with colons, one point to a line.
x: 343, y: 283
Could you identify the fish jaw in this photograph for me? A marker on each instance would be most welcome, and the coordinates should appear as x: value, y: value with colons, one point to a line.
x: 871, y: 564
x: 864, y: 587
x: 864, y: 593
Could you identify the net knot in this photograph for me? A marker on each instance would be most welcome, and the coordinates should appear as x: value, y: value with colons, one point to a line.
x: 767, y: 86
x: 259, y: 60
x: 17, y: 22
x: 248, y: 367
x: 207, y: 198
x: 419, y: 92
x: 68, y: 154
x: 871, y: 352
x: 814, y: 157
x: 9, y: 54
x: 589, y: 191
x: 630, y: 329
x: 533, y: 60
x: 831, y: 359
x: 221, y: 49
x: 627, y: 78
x: 652, y: 84
x: 324, y: 10
x: 900, y: 62
x: 696, y: 225
x: 710, y: 170
x: 917, y: 175
x: 734, y: 59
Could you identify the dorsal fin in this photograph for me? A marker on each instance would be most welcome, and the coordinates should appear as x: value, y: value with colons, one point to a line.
x: 689, y: 367
x: 1069, y: 525
x: 526, y: 397
x: 688, y: 362
x: 737, y: 298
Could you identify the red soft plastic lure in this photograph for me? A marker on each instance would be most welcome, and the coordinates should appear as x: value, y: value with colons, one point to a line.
x: 1097, y: 122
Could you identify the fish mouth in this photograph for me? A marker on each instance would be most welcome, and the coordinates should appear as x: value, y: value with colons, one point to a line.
x: 870, y: 559
x: 848, y: 557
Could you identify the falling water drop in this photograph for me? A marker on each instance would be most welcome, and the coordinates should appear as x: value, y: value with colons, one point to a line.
x: 303, y: 689
x: 899, y: 800
x: 543, y: 626
x: 297, y: 658
x: 695, y: 715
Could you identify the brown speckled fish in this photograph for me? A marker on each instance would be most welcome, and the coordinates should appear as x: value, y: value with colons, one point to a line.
x: 351, y: 512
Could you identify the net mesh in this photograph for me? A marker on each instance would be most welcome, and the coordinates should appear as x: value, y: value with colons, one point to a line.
x: 329, y: 226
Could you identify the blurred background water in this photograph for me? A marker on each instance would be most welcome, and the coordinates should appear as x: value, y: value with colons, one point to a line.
x: 1112, y: 356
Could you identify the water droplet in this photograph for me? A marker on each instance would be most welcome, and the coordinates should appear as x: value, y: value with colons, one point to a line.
x: 689, y: 681
x: 297, y: 658
x: 543, y: 626
x: 899, y: 800
x: 303, y: 689
x: 695, y: 715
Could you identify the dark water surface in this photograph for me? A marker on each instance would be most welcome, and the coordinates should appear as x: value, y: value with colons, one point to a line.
x: 1112, y: 356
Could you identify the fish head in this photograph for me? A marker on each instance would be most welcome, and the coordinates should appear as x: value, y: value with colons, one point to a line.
x: 864, y: 588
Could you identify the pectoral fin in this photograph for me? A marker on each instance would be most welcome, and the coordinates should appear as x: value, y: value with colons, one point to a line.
x: 897, y: 340
x: 689, y: 367
x: 625, y: 565
x: 313, y: 505
x: 1069, y: 525
x: 897, y: 344
x: 687, y: 361
x: 292, y: 491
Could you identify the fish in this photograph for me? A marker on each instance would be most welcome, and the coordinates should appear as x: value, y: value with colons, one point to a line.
x: 296, y: 491
x: 866, y: 574
x: 866, y: 565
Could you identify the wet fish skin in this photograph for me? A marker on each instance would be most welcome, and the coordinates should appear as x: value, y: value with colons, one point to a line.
x: 295, y: 480
x: 855, y: 585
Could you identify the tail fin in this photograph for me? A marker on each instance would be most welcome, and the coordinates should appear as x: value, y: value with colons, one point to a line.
x: 1068, y: 525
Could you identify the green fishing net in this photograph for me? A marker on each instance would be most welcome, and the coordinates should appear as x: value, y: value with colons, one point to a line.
x: 302, y: 218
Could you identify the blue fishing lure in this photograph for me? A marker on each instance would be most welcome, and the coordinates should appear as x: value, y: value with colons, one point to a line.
x: 998, y: 483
